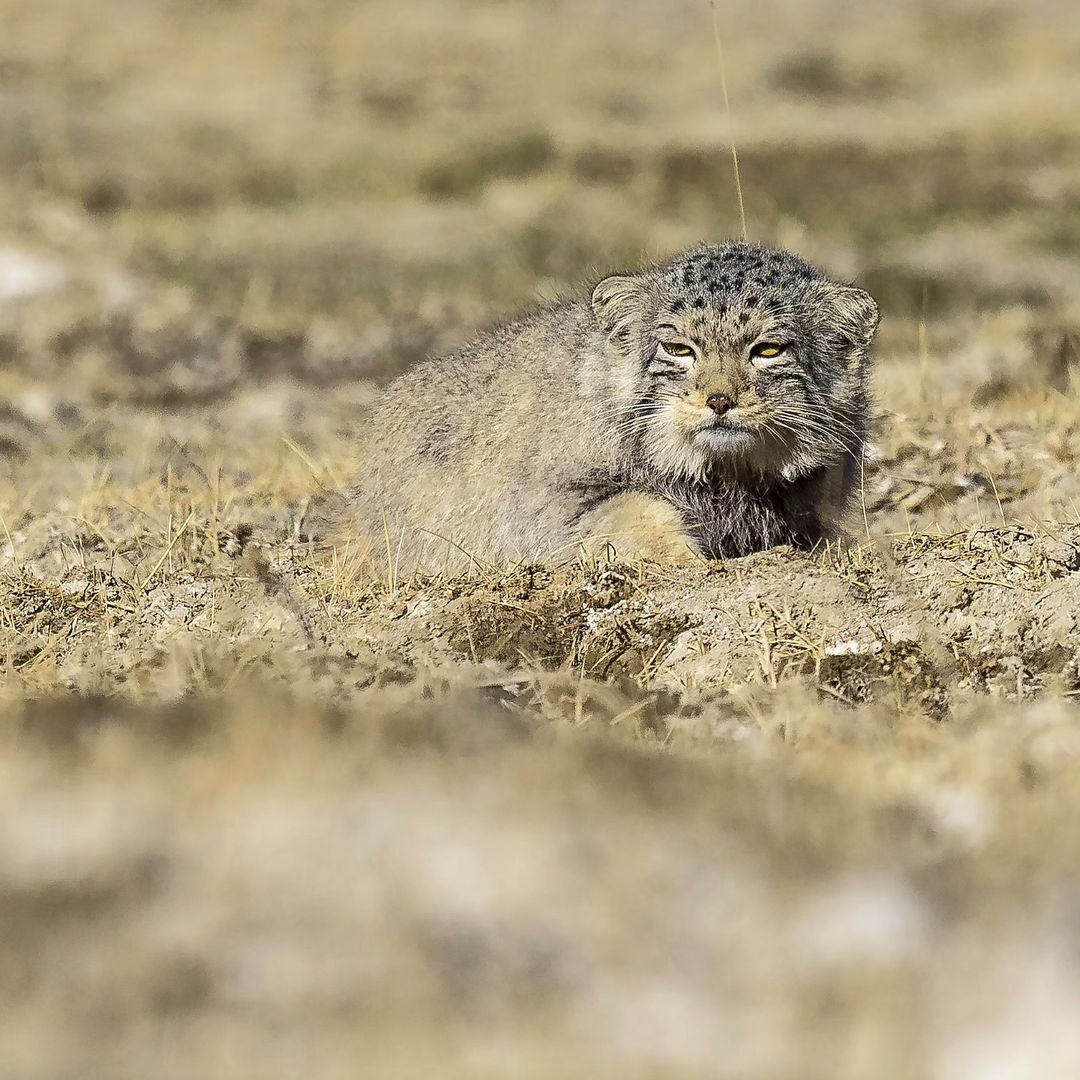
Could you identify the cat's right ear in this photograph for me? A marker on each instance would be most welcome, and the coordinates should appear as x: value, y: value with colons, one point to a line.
x: 617, y: 305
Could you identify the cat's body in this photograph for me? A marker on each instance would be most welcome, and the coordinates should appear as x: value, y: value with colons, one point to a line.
x: 643, y: 419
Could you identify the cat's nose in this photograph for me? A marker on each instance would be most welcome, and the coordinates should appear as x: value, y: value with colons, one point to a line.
x: 719, y: 403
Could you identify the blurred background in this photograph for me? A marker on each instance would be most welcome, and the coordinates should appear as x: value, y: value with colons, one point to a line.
x: 222, y: 226
x: 265, y: 206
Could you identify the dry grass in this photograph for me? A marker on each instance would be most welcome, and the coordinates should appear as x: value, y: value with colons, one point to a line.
x: 791, y: 816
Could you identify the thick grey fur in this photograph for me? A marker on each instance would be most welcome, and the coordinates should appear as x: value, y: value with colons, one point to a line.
x: 572, y: 428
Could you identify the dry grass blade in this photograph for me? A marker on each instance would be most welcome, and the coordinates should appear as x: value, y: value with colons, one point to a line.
x: 166, y: 553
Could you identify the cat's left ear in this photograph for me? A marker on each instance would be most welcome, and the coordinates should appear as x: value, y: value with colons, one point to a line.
x: 617, y: 305
x: 857, y: 316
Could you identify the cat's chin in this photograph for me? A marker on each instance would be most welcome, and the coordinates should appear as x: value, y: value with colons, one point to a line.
x: 724, y: 440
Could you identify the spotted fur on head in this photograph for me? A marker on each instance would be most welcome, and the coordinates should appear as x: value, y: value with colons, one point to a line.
x: 803, y: 411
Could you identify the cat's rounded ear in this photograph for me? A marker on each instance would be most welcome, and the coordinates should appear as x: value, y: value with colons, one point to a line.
x: 857, y: 315
x: 617, y: 305
x: 847, y: 320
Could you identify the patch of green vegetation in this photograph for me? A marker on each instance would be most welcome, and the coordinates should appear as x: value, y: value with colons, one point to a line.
x: 1055, y: 230
x: 905, y: 291
x: 821, y: 74
x: 470, y: 169
x: 299, y: 280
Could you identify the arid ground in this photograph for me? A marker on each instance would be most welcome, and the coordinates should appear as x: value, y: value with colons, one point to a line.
x: 264, y: 815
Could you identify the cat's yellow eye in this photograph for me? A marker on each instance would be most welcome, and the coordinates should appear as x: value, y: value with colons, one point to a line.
x: 675, y: 348
x: 767, y: 350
